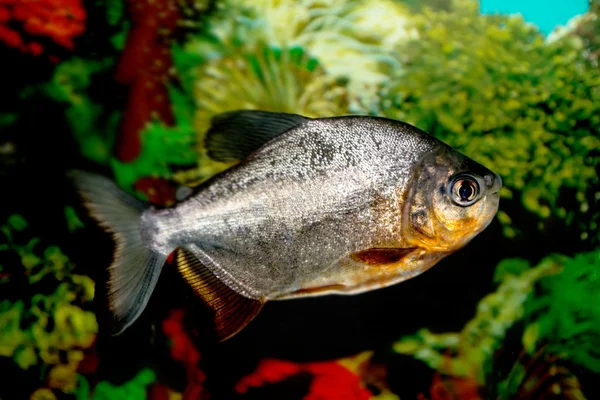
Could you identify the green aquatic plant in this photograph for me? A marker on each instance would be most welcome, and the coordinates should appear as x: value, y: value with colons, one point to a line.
x: 92, y: 123
x: 73, y: 221
x: 95, y: 126
x: 91, y: 126
x: 48, y: 326
x: 469, y: 353
x: 564, y: 315
x: 350, y: 38
x: 556, y: 303
x: 317, y: 57
x: 535, y: 376
x: 162, y: 147
x: 256, y: 77
x: 267, y: 78
x: 561, y: 326
x: 134, y: 389
x: 493, y: 87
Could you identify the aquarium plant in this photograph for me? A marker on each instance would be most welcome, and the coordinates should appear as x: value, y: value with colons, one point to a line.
x: 41, y: 27
x: 494, y: 87
x: 547, y: 301
x: 45, y: 327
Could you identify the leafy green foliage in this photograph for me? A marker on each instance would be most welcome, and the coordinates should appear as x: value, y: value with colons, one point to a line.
x: 91, y: 127
x: 80, y: 84
x: 469, y: 353
x: 348, y: 37
x: 115, y: 11
x: 256, y: 76
x: 73, y: 221
x: 116, y: 18
x: 562, y: 323
x: 565, y: 313
x: 95, y: 124
x: 134, y: 389
x: 491, y: 86
x: 48, y: 324
x: 557, y: 301
x: 161, y: 146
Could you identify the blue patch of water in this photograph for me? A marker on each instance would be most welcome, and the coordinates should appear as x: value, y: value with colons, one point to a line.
x: 546, y: 14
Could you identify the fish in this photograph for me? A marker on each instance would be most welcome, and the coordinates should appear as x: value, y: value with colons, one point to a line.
x: 310, y: 207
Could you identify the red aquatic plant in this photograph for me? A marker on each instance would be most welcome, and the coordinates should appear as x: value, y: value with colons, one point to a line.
x: 454, y: 388
x: 448, y: 387
x: 144, y: 67
x: 159, y: 391
x: 91, y: 361
x: 159, y: 191
x: 184, y: 351
x: 27, y: 24
x: 331, y: 380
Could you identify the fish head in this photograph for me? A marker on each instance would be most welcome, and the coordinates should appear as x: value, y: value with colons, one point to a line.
x: 451, y: 198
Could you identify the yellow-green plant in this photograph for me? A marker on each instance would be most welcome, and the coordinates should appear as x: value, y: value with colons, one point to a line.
x: 258, y: 77
x: 493, y: 87
x: 351, y: 38
x: 48, y: 326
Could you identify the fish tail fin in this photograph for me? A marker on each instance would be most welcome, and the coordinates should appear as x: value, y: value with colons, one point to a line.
x: 135, y: 268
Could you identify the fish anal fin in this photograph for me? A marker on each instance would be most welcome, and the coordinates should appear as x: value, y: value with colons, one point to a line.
x: 234, y: 135
x: 381, y: 256
x: 230, y: 311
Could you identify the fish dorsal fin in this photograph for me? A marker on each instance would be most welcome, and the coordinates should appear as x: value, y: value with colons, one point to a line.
x: 231, y: 311
x: 234, y: 135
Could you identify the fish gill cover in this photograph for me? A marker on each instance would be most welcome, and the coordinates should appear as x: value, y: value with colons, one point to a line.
x: 130, y: 87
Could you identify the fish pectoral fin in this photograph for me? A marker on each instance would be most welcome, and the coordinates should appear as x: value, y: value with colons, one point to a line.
x: 381, y: 256
x: 234, y: 135
x: 230, y: 311
x: 319, y: 290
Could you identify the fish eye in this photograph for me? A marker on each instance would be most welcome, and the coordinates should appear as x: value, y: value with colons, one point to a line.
x: 464, y: 190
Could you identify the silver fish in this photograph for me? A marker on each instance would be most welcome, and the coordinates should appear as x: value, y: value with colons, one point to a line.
x: 315, y: 206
